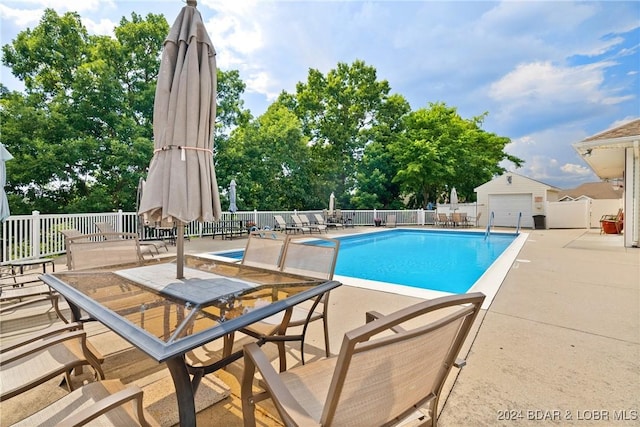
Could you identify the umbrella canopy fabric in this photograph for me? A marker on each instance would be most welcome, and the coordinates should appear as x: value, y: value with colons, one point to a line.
x: 232, y: 197
x: 332, y: 203
x: 4, y: 204
x: 181, y: 183
x: 453, y: 200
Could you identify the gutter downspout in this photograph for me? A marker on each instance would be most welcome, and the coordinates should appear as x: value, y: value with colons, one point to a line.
x: 636, y: 193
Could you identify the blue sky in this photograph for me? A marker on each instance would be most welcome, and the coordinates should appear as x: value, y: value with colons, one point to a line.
x: 548, y: 73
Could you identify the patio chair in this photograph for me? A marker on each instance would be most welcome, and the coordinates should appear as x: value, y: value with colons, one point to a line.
x: 41, y: 357
x: 264, y: 250
x: 442, y: 220
x: 283, y: 226
x: 304, y: 257
x: 612, y: 224
x: 457, y: 219
x: 108, y: 230
x: 300, y: 256
x: 313, y: 226
x: 320, y: 220
x: 390, y: 221
x: 22, y: 290
x: 100, y: 250
x: 108, y: 402
x: 385, y: 370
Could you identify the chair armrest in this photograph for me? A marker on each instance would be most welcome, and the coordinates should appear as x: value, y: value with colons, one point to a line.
x: 290, y: 410
x: 55, y: 330
x: 33, y: 347
x: 373, y: 315
x: 105, y: 405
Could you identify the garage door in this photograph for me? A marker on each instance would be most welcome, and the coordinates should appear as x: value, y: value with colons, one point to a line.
x: 506, y: 208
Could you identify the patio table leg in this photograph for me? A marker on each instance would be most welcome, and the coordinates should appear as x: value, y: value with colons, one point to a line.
x: 184, y: 391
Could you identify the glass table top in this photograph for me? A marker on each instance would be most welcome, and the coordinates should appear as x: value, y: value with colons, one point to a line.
x: 167, y: 316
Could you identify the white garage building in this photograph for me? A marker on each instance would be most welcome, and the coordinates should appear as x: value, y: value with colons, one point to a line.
x: 512, y: 197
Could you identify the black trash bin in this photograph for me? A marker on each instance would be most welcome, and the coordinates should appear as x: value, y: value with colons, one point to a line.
x: 539, y: 222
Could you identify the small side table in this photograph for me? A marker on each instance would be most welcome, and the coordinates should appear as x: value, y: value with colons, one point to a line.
x: 30, y: 262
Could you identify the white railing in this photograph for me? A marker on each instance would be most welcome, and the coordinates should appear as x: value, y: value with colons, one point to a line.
x: 38, y: 235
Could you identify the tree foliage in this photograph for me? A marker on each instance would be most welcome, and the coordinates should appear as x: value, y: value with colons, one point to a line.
x: 82, y: 132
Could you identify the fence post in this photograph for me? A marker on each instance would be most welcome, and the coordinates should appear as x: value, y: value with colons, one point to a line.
x: 35, y: 234
x: 119, y: 221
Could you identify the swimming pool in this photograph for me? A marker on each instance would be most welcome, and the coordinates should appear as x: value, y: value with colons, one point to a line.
x: 424, y: 263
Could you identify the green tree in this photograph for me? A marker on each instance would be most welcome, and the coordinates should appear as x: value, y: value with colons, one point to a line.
x: 337, y: 111
x: 439, y: 150
x: 270, y: 159
x: 81, y: 134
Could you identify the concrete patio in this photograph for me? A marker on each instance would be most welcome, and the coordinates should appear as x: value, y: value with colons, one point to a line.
x: 559, y: 345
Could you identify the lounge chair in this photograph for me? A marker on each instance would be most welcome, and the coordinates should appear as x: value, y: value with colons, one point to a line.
x: 107, y: 402
x: 283, y: 226
x: 382, y: 374
x: 320, y: 220
x: 300, y: 256
x: 390, y: 221
x: 108, y: 229
x: 42, y: 357
x: 305, y: 222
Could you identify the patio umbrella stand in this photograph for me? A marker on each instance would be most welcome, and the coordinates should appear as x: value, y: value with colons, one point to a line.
x: 181, y: 185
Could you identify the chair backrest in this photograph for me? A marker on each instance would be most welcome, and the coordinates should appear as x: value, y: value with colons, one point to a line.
x: 319, y: 219
x: 264, y: 249
x: 297, y: 220
x: 442, y: 217
x: 281, y: 222
x: 304, y: 219
x: 456, y: 217
x: 404, y: 369
x: 391, y: 221
x: 105, y: 227
x: 310, y: 257
x: 98, y: 250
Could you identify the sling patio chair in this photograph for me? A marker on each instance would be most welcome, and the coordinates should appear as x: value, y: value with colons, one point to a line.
x: 20, y: 290
x: 283, y: 226
x: 311, y: 257
x: 443, y: 220
x: 108, y: 230
x: 320, y: 220
x: 101, y: 250
x: 390, y: 221
x: 314, y: 226
x: 385, y: 371
x: 105, y: 403
x: 41, y: 357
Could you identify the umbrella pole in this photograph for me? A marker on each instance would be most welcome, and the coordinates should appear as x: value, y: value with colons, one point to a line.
x: 180, y: 251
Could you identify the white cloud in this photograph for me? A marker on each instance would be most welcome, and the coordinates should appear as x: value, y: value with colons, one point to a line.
x: 21, y: 17
x: 574, y: 169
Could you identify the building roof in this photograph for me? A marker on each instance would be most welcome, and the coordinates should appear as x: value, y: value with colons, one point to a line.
x: 605, y: 151
x: 593, y: 190
x: 629, y: 129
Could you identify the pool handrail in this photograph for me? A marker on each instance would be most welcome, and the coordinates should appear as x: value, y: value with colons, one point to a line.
x: 489, y: 224
x: 518, y: 226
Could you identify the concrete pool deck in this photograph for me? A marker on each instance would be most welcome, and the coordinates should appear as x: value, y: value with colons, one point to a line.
x: 559, y: 344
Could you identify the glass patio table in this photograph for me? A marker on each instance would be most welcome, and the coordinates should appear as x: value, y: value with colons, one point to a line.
x: 167, y: 317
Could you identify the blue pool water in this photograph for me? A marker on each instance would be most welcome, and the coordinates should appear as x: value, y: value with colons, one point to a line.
x: 425, y: 259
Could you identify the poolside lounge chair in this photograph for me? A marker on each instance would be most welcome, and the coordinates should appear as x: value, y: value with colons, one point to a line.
x: 283, y: 226
x: 109, y: 402
x: 382, y: 374
x: 313, y: 226
x: 42, y: 357
x: 320, y: 220
x: 391, y: 221
x: 108, y: 229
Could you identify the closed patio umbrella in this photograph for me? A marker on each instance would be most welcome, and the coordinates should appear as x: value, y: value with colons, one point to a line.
x: 332, y: 203
x: 232, y: 197
x: 453, y: 200
x: 181, y: 185
x: 4, y: 204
